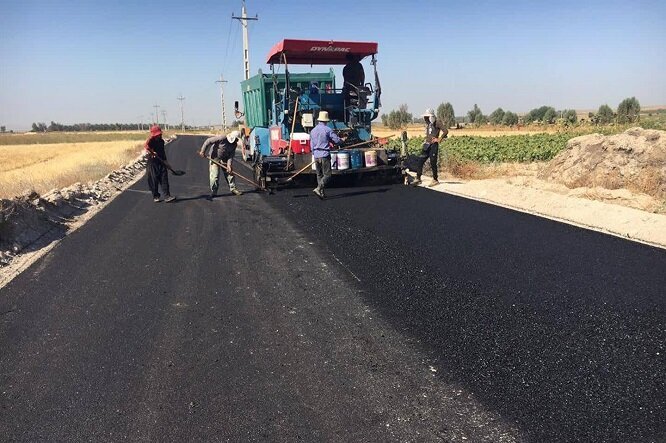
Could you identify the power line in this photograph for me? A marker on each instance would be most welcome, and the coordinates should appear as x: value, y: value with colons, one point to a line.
x: 157, y: 115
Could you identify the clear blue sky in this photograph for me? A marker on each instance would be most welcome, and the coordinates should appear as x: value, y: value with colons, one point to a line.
x: 110, y: 61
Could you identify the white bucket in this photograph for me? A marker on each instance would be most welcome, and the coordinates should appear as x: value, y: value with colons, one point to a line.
x: 334, y: 160
x: 343, y: 160
x: 370, y: 158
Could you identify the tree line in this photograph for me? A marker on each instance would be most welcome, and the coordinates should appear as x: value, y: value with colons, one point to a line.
x: 83, y: 127
x: 628, y: 111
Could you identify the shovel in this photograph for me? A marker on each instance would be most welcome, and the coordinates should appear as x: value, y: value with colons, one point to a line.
x: 168, y: 166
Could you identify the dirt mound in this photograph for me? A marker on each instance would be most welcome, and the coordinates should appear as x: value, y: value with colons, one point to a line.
x: 634, y: 159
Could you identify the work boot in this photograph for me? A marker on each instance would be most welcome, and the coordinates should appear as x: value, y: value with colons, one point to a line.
x: 433, y: 183
x: 319, y: 193
x: 416, y: 182
x: 157, y: 199
x: 170, y: 199
x: 236, y: 192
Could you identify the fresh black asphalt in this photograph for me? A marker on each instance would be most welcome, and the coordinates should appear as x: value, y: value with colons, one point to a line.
x: 384, y: 313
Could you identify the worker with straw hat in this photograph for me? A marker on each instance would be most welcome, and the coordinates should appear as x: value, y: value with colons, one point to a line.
x: 321, y: 138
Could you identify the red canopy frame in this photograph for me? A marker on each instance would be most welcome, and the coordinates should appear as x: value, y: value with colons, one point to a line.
x: 319, y: 52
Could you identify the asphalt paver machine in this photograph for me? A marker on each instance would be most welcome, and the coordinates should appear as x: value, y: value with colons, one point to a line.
x: 281, y: 108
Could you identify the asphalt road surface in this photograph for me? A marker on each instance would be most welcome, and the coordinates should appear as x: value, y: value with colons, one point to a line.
x: 383, y: 313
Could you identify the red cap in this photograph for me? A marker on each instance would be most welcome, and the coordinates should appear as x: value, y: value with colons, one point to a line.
x: 155, y: 131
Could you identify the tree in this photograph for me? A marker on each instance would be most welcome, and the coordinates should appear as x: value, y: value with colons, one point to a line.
x: 628, y: 110
x: 396, y: 119
x: 539, y: 114
x: 446, y: 115
x: 496, y: 116
x: 604, y: 115
x: 549, y: 116
x: 475, y: 114
x: 510, y: 118
x: 569, y: 116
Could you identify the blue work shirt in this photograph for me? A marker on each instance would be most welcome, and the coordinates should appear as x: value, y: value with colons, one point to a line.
x: 320, y: 136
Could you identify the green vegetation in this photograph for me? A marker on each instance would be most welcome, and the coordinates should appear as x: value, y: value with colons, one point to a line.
x: 497, y: 116
x: 446, y: 115
x: 509, y: 148
x: 628, y: 110
x: 475, y: 116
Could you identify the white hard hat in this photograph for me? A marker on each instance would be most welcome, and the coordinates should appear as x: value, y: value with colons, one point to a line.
x: 233, y: 136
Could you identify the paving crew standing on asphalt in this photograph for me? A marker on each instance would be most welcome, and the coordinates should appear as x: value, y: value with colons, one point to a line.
x: 320, y: 138
x: 434, y: 134
x: 221, y: 148
x: 156, y: 169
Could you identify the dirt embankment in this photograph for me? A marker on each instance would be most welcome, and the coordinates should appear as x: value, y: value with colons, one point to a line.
x: 31, y: 221
x: 634, y: 160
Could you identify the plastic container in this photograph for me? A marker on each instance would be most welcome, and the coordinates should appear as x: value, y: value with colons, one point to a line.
x: 334, y: 160
x: 343, y: 160
x: 370, y: 158
x: 300, y: 143
x: 356, y: 159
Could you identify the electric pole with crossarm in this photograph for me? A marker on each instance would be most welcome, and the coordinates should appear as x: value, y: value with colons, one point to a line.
x: 246, y: 50
x: 222, y: 81
x: 182, y: 115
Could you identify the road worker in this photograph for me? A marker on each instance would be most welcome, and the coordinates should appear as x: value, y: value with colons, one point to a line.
x: 354, y: 79
x: 321, y: 138
x: 222, y: 149
x: 435, y: 132
x: 156, y: 166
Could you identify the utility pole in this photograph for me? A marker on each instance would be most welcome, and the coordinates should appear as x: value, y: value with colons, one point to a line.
x: 157, y: 115
x: 246, y: 51
x: 164, y: 115
x: 222, y: 81
x: 182, y: 116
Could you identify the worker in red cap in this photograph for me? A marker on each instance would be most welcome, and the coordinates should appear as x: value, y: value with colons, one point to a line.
x: 156, y: 166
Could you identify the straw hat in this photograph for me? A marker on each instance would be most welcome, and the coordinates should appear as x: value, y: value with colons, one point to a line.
x: 323, y: 116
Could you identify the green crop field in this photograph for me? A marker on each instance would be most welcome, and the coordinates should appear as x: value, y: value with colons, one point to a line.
x: 509, y: 148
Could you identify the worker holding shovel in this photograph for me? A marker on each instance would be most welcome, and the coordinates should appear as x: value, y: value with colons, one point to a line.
x: 157, y: 166
x: 220, y: 151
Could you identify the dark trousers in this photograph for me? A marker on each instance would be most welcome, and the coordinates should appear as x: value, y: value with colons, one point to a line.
x: 157, y: 176
x: 432, y: 153
x: 323, y: 166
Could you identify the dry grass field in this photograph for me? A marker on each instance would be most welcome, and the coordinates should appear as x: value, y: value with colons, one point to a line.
x: 42, y: 167
x: 32, y: 138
